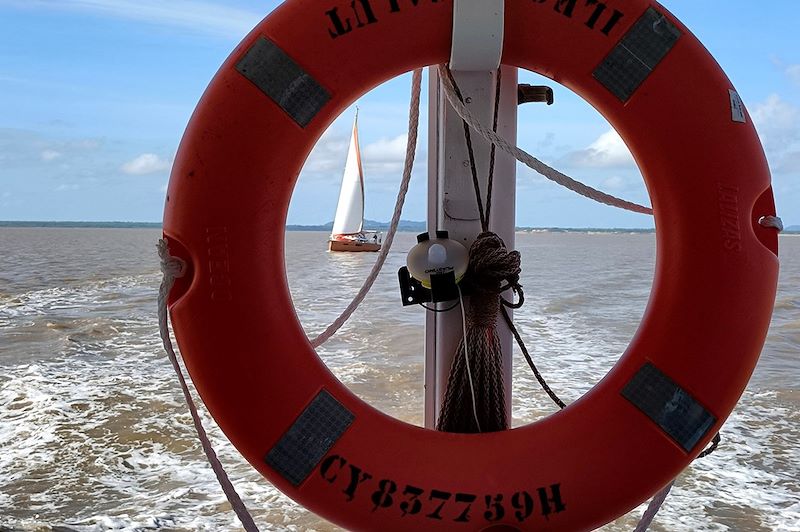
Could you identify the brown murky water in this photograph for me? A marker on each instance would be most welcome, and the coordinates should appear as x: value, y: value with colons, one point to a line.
x: 94, y: 434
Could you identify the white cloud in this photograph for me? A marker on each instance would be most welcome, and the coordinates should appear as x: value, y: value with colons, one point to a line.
x: 778, y: 125
x: 608, y: 151
x: 146, y: 164
x: 197, y: 15
x: 777, y: 121
x: 67, y: 187
x: 382, y: 158
x: 50, y: 155
x: 793, y: 71
x: 30, y: 149
x: 386, y: 155
x: 329, y: 154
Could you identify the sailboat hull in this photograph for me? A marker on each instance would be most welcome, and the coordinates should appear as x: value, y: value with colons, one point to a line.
x: 349, y: 245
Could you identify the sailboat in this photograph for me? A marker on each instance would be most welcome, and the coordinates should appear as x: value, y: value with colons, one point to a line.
x: 348, y: 227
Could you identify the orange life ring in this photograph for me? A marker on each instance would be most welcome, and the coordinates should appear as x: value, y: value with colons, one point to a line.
x: 632, y: 433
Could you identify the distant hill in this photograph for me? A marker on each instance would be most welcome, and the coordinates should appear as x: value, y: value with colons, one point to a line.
x: 420, y: 227
x: 369, y: 225
x: 405, y: 225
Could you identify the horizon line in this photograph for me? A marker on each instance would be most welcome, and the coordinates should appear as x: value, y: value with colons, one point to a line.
x: 154, y: 225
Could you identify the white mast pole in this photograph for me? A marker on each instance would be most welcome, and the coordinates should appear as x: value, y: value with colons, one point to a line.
x: 477, y: 47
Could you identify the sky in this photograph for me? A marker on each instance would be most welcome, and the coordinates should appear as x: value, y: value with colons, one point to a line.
x: 95, y: 96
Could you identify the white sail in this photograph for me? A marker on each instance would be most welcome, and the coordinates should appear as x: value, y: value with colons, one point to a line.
x: 350, y: 212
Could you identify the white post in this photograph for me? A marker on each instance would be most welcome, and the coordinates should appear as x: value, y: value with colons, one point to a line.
x: 452, y: 207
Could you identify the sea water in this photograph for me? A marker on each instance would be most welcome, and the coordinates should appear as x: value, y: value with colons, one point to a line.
x: 94, y: 434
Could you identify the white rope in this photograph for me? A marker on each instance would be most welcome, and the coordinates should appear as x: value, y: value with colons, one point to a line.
x: 492, y: 137
x: 653, y: 508
x: 584, y: 190
x: 411, y: 150
x: 175, y: 268
x: 527, y: 159
x: 772, y: 222
x: 466, y: 358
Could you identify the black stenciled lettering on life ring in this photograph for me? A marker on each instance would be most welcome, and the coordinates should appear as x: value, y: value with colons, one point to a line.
x: 356, y: 14
x: 387, y: 495
x: 595, y: 14
x: 644, y: 59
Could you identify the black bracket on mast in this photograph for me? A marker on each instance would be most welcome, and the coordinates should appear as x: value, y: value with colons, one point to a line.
x: 534, y: 94
x: 443, y: 288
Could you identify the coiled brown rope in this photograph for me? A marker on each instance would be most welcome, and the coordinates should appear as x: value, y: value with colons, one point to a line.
x: 492, y: 270
x: 485, y: 255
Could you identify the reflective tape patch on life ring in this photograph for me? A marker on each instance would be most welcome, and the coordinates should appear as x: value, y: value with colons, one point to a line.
x: 637, y: 54
x: 737, y: 107
x: 284, y: 81
x: 309, y: 439
x: 697, y: 344
x: 671, y: 407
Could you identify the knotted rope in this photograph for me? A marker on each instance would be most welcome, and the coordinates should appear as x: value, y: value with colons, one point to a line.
x: 174, y: 268
x: 771, y: 222
x: 492, y: 270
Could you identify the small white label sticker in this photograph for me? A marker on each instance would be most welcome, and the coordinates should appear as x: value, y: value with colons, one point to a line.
x: 737, y: 108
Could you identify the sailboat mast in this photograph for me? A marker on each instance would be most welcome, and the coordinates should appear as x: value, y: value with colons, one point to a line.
x: 360, y: 168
